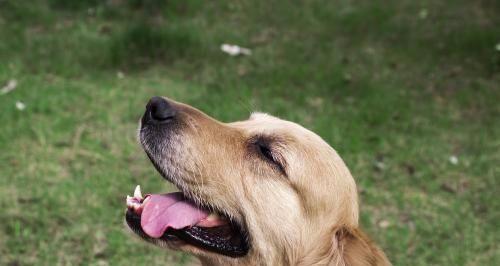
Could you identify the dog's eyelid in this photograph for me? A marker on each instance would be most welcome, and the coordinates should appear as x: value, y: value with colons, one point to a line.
x: 266, y: 151
x: 266, y: 147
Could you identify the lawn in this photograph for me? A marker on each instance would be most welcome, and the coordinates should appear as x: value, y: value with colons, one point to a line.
x: 406, y: 91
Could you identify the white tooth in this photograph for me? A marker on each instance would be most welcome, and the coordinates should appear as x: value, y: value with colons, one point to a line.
x: 137, y: 192
x: 129, y: 200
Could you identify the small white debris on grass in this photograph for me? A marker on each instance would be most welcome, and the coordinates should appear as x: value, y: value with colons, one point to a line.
x: 91, y: 11
x: 20, y: 106
x: 10, y: 86
x: 423, y: 13
x: 497, y: 47
x: 453, y: 160
x: 120, y: 75
x: 234, y: 50
x: 379, y: 165
x: 384, y: 224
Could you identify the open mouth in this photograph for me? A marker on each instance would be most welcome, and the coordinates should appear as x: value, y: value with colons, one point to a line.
x: 174, y: 217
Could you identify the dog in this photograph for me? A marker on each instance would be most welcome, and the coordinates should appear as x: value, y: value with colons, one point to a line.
x: 263, y: 191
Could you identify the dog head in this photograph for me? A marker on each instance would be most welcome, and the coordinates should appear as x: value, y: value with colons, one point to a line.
x: 261, y: 189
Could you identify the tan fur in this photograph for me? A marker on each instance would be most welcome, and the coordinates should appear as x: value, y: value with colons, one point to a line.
x: 308, y: 217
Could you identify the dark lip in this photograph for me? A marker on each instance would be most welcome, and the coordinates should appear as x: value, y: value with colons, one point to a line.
x: 196, y: 236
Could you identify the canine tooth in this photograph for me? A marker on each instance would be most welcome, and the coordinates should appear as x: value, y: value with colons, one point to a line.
x: 137, y: 192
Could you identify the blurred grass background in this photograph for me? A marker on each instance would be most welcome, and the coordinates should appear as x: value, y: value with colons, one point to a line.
x: 407, y: 91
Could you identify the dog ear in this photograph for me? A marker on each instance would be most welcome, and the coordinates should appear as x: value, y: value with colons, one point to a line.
x: 356, y: 248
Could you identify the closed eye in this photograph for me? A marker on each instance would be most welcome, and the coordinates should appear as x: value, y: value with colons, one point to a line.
x: 266, y: 152
x: 270, y: 156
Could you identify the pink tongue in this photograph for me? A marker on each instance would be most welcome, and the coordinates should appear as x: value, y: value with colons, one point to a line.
x: 169, y: 211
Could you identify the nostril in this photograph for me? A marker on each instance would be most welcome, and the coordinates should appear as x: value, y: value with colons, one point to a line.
x: 160, y: 109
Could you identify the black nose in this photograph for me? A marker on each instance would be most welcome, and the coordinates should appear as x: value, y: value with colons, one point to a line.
x: 159, y: 109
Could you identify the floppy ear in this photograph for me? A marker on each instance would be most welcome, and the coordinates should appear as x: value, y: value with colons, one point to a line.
x: 357, y: 249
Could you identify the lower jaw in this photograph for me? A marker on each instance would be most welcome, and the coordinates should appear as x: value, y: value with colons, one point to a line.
x: 199, y: 237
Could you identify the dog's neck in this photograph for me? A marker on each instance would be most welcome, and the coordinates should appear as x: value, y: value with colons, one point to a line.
x: 348, y: 246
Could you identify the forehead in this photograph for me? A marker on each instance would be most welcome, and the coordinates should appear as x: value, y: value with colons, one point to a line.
x: 261, y: 123
x: 268, y: 125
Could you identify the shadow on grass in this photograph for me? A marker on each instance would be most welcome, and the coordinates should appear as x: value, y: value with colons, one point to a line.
x: 71, y: 37
x: 141, y: 44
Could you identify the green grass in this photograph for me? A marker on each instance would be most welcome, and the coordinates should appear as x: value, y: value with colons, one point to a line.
x: 397, y: 87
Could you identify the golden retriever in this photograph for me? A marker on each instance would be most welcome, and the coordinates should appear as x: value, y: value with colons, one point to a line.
x: 263, y: 191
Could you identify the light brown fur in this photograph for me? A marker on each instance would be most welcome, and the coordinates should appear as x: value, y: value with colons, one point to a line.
x: 305, y: 216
